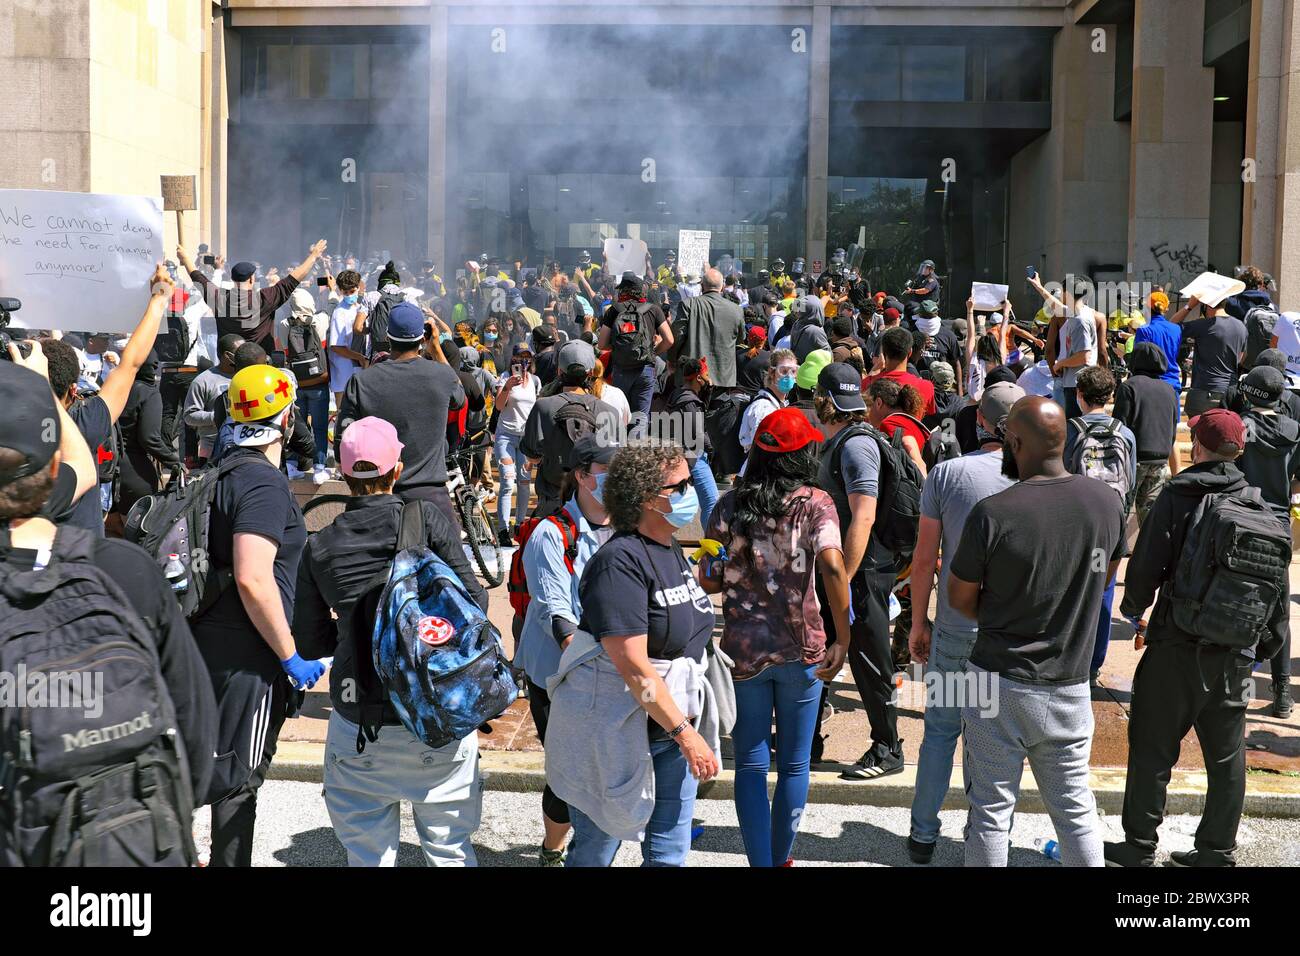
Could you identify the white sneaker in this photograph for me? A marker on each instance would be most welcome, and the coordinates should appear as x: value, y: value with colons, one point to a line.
x: 320, y: 475
x: 294, y: 471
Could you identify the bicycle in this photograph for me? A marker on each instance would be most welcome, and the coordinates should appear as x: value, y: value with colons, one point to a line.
x: 476, y: 520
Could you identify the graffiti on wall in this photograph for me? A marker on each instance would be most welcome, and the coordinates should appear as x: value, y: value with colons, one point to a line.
x: 1174, y: 267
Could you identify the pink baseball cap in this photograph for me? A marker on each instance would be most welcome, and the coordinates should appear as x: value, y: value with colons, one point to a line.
x: 370, y: 440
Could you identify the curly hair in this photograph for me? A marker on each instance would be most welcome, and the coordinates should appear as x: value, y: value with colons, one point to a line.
x: 636, y: 475
x: 905, y: 398
x: 65, y: 367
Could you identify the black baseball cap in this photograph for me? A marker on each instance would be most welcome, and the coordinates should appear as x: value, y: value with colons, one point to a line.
x: 1263, y: 385
x: 590, y: 450
x: 843, y: 383
x: 30, y: 425
x: 242, y: 270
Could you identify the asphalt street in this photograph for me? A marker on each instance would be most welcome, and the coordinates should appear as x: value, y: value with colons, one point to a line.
x: 293, y: 829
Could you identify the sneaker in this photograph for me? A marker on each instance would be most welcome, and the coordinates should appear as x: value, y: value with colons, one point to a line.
x: 503, y: 538
x: 788, y: 864
x: 293, y: 471
x: 876, y: 762
x: 1126, y: 854
x: 320, y: 475
x: 1282, y: 704
x: 921, y: 853
x: 547, y: 857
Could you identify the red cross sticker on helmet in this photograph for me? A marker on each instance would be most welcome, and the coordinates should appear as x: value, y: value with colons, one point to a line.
x: 282, y: 388
x: 246, y: 404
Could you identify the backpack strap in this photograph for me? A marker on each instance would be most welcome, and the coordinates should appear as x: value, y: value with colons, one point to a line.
x: 564, y: 521
x: 410, y: 532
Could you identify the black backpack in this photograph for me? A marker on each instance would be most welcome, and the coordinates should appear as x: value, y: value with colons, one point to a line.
x: 632, y: 344
x: 942, y: 444
x: 722, y: 424
x: 898, y: 502
x: 1232, y: 570
x: 175, y: 521
x: 108, y: 462
x: 377, y: 322
x: 1261, y: 321
x: 303, y: 349
x: 103, y: 781
x: 173, y: 346
x: 572, y: 420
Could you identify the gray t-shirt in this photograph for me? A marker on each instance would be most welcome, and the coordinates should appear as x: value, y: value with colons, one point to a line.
x: 1078, y: 332
x: 859, y: 475
x: 1219, y: 340
x: 952, y: 489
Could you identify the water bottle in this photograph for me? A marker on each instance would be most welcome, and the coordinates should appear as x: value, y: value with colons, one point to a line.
x: 1049, y: 848
x: 175, y: 574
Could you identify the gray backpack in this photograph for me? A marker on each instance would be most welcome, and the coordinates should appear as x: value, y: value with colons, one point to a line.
x: 1101, y: 452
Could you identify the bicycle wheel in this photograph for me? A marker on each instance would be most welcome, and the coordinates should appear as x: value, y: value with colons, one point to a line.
x: 480, y: 534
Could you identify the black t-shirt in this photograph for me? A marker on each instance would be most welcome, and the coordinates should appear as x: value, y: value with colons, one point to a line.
x: 634, y: 585
x: 254, y: 498
x: 1219, y: 343
x: 96, y: 426
x: 547, y: 365
x: 1041, y: 550
x: 58, y: 506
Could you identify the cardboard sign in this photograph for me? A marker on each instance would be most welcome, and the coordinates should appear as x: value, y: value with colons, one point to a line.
x: 178, y: 193
x: 692, y: 250
x: 78, y: 261
x: 626, y: 255
x: 988, y: 296
x: 1210, y: 288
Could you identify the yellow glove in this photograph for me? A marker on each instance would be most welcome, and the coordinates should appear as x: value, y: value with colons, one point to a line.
x: 711, y: 548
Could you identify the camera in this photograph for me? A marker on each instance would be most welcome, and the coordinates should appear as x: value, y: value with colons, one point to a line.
x: 8, y: 306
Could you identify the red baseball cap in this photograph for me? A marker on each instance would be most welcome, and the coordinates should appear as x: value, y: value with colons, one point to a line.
x: 785, y: 430
x: 1216, y: 427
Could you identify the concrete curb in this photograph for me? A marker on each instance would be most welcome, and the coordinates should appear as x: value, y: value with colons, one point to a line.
x: 1267, y: 795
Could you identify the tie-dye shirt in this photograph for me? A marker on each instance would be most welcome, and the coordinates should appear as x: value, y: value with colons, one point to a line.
x: 770, y: 611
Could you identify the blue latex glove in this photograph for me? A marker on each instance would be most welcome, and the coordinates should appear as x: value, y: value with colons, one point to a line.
x: 302, y: 674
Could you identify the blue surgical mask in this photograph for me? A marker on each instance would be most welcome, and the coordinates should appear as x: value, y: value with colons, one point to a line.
x: 490, y: 336
x: 685, y: 506
x: 599, y: 492
x: 785, y: 383
x: 349, y: 300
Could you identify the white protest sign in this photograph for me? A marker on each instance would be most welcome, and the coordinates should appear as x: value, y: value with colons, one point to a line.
x: 988, y: 296
x: 1211, y: 288
x: 626, y: 255
x: 78, y: 260
x: 692, y: 250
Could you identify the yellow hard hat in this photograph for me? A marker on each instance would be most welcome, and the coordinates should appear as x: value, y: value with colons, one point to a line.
x: 258, y: 393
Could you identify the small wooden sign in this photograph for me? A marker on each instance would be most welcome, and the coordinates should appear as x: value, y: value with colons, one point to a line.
x: 178, y: 193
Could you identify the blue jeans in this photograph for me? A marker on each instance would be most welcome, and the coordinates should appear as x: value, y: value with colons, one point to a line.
x: 638, y: 385
x: 949, y: 651
x: 512, y: 472
x: 1103, y: 627
x: 668, y: 834
x: 795, y: 693
x: 705, y: 487
x: 314, y: 406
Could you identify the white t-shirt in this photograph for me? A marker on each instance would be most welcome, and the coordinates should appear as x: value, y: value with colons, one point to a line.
x: 1287, y: 331
x: 519, y: 403
x: 613, y: 395
x: 341, y: 369
x: 1036, y: 380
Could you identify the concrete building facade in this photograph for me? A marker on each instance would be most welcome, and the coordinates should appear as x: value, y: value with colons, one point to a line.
x: 1143, y: 140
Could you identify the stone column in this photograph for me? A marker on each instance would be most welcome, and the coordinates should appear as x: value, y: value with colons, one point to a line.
x: 437, y: 223
x: 1172, y: 141
x: 819, y: 133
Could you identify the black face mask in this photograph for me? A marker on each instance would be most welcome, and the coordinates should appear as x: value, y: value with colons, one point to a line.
x: 1009, y: 466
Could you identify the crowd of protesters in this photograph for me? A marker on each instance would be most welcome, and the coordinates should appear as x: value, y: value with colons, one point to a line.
x: 846, y: 449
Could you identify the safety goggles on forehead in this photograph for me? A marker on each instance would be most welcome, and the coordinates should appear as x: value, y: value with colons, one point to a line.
x: 675, y: 489
x: 787, y: 369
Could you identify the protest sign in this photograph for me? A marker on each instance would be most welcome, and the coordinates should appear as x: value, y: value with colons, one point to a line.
x: 78, y: 261
x: 988, y: 296
x: 1210, y: 288
x: 626, y: 255
x: 692, y: 250
x: 1287, y: 331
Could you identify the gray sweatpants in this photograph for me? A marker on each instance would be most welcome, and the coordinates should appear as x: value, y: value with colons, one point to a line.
x: 1052, y: 726
x: 364, y: 794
